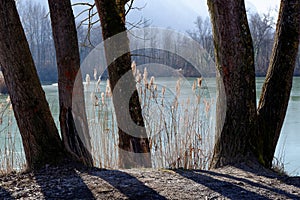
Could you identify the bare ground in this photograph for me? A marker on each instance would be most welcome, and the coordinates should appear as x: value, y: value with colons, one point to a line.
x: 68, y: 182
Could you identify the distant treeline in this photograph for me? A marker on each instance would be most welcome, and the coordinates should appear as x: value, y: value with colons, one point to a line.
x: 262, y: 29
x: 37, y: 26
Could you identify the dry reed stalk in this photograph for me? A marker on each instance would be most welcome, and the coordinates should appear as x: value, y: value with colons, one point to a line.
x: 179, y: 128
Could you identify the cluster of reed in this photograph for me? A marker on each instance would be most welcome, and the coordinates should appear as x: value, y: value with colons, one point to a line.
x: 11, y: 150
x: 101, y: 122
x: 178, y: 127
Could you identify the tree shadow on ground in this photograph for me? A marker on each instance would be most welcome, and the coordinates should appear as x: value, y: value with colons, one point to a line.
x: 4, y: 194
x: 128, y: 185
x: 232, y: 187
x: 254, y: 184
x: 257, y: 169
x: 62, y: 183
x: 295, y: 181
x: 261, y: 171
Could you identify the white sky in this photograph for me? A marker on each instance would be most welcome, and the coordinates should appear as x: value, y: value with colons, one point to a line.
x: 181, y: 14
x: 263, y: 6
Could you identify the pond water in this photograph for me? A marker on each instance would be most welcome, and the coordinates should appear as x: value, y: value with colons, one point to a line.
x: 288, y: 147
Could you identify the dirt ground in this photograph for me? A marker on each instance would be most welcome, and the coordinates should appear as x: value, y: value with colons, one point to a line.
x: 68, y: 182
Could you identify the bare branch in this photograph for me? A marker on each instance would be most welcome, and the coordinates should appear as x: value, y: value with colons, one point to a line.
x: 138, y: 24
x: 129, y: 7
x: 83, y: 4
x: 87, y: 21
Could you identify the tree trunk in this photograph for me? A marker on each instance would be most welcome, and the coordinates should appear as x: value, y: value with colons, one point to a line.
x: 40, y: 137
x: 236, y: 107
x: 277, y: 87
x: 134, y: 150
x: 71, y: 96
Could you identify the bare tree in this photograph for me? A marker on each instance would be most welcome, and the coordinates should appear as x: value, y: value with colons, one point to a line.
x: 262, y: 32
x: 203, y: 34
x: 247, y: 136
x: 37, y: 27
x: 278, y: 84
x: 235, y: 66
x: 41, y: 141
x: 71, y: 96
x: 134, y: 150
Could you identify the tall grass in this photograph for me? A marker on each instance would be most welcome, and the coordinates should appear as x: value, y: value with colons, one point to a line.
x: 178, y: 123
x: 179, y: 127
x: 11, y: 150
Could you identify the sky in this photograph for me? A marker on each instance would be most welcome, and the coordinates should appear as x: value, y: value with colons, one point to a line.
x: 181, y: 14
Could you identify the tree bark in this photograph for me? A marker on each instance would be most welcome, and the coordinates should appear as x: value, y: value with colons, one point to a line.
x: 41, y: 141
x: 277, y: 87
x: 247, y: 135
x: 134, y: 150
x: 236, y: 106
x: 75, y: 136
